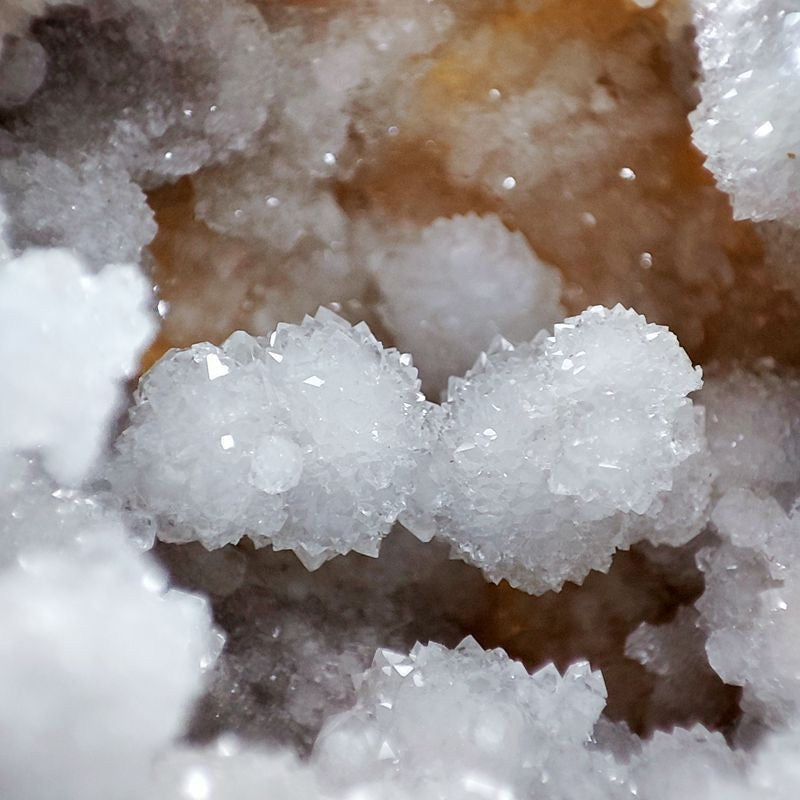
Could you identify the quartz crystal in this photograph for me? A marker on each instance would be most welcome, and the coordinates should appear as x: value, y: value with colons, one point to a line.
x: 135, y: 91
x: 553, y: 565
x: 448, y: 289
x: 745, y: 121
x: 680, y: 764
x: 753, y: 429
x: 309, y: 441
x: 294, y: 638
x: 773, y: 774
x: 229, y: 770
x: 492, y: 729
x: 552, y: 454
x: 749, y: 607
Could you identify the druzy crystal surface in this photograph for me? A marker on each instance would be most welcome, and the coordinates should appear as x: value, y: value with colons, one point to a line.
x: 745, y: 120
x: 308, y: 440
x: 399, y: 400
x: 551, y: 454
x: 452, y: 286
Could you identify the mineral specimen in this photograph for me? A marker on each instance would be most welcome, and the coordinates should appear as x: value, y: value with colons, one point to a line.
x: 309, y: 441
x: 753, y: 428
x: 444, y: 181
x: 499, y: 731
x: 135, y: 90
x: 68, y: 339
x: 745, y: 121
x: 294, y: 638
x: 749, y: 607
x: 448, y: 289
x: 98, y: 668
x: 550, y: 455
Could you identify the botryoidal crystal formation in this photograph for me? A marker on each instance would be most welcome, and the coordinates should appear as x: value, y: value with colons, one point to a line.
x: 441, y: 329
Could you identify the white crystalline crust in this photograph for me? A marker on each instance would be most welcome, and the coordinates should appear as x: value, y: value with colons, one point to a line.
x: 308, y: 441
x: 131, y: 81
x: 346, y: 60
x: 295, y: 638
x: 332, y: 63
x: 68, y: 339
x: 448, y: 723
x: 774, y: 773
x: 552, y: 454
x: 37, y: 515
x: 753, y: 429
x: 135, y: 91
x: 681, y: 764
x: 98, y: 667
x: 229, y: 770
x: 750, y: 606
x: 90, y: 207
x: 746, y: 120
x: 449, y: 288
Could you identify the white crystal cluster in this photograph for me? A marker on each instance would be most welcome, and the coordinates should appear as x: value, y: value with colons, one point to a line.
x: 349, y: 58
x: 294, y: 639
x: 461, y: 177
x: 319, y: 439
x: 753, y: 428
x: 68, y: 341
x: 134, y: 92
x: 94, y: 643
x: 749, y: 607
x: 512, y: 731
x: 230, y: 770
x: 309, y: 440
x: 449, y: 288
x: 552, y: 454
x: 745, y: 122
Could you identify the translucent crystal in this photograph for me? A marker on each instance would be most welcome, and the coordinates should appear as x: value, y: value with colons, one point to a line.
x: 229, y: 770
x: 92, y: 207
x: 772, y: 774
x: 135, y: 91
x: 295, y: 638
x: 745, y: 123
x: 451, y: 723
x: 449, y: 288
x: 680, y: 764
x: 749, y: 606
x: 753, y: 429
x: 37, y: 515
x: 308, y: 441
x: 552, y: 454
